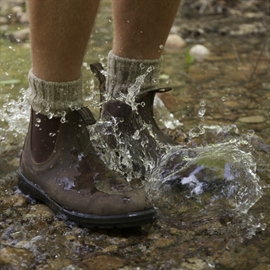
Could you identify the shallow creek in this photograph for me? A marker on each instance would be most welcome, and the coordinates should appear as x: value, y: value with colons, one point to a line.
x: 218, y: 111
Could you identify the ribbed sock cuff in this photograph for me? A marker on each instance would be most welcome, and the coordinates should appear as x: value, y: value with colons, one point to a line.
x: 123, y: 72
x: 53, y: 98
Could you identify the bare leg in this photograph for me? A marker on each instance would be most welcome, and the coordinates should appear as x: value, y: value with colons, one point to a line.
x: 142, y: 27
x: 60, y: 31
x: 65, y: 172
x: 141, y: 30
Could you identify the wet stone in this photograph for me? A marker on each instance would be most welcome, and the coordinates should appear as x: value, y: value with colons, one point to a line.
x: 194, y: 264
x: 105, y: 262
x: 20, y: 35
x: 39, y: 212
x: 15, y: 257
x: 174, y: 42
x: 252, y: 119
x: 59, y: 263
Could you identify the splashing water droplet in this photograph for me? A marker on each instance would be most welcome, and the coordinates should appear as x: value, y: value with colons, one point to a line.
x: 201, y: 112
x: 63, y: 119
x: 202, y: 103
x: 250, y: 133
x: 50, y: 115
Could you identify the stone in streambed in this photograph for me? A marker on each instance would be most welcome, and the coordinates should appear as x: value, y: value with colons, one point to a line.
x: 174, y: 42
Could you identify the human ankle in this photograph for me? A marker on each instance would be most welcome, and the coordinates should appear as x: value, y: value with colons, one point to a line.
x: 50, y: 102
x: 123, y: 72
x: 54, y: 98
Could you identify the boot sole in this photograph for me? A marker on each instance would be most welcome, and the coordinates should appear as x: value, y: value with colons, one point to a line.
x: 132, y: 219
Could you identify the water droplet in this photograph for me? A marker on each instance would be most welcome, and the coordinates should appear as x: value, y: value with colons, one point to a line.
x: 50, y: 115
x: 201, y: 112
x: 150, y: 69
x: 263, y: 226
x: 142, y: 66
x: 38, y: 120
x: 161, y: 46
x: 52, y: 134
x: 63, y: 120
x: 202, y: 103
x: 136, y: 135
x: 223, y: 99
x: 250, y: 133
x: 101, y: 57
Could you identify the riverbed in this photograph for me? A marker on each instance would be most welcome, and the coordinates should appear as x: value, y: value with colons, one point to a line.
x: 219, y: 107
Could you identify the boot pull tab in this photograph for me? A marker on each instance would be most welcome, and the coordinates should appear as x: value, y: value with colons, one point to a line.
x: 87, y: 116
x: 147, y: 91
x: 97, y: 70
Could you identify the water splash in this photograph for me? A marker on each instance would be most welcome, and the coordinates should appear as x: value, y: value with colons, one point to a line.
x: 221, y: 176
x: 14, y: 121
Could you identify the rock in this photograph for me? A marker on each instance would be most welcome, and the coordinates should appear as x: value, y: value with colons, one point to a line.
x: 17, y: 10
x: 174, y: 42
x: 39, y: 212
x: 3, y: 20
x: 24, y: 18
x: 105, y: 262
x: 15, y: 257
x: 20, y: 35
x: 252, y: 119
x: 194, y: 264
x: 262, y: 266
x: 199, y: 52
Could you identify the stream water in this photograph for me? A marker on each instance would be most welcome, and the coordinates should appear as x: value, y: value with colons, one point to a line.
x: 217, y: 217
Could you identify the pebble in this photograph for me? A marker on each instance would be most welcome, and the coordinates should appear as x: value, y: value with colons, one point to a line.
x: 252, y: 119
x: 105, y: 262
x: 39, y: 212
x: 15, y: 257
x: 20, y: 35
x: 199, y: 52
x: 174, y: 42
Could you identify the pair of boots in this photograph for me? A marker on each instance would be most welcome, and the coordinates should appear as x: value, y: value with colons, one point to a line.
x: 75, y: 183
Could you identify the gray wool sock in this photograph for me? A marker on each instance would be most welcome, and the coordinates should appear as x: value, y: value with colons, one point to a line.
x: 123, y: 72
x: 52, y: 98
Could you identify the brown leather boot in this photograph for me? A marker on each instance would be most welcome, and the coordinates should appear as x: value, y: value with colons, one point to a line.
x: 77, y: 185
x: 137, y: 129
